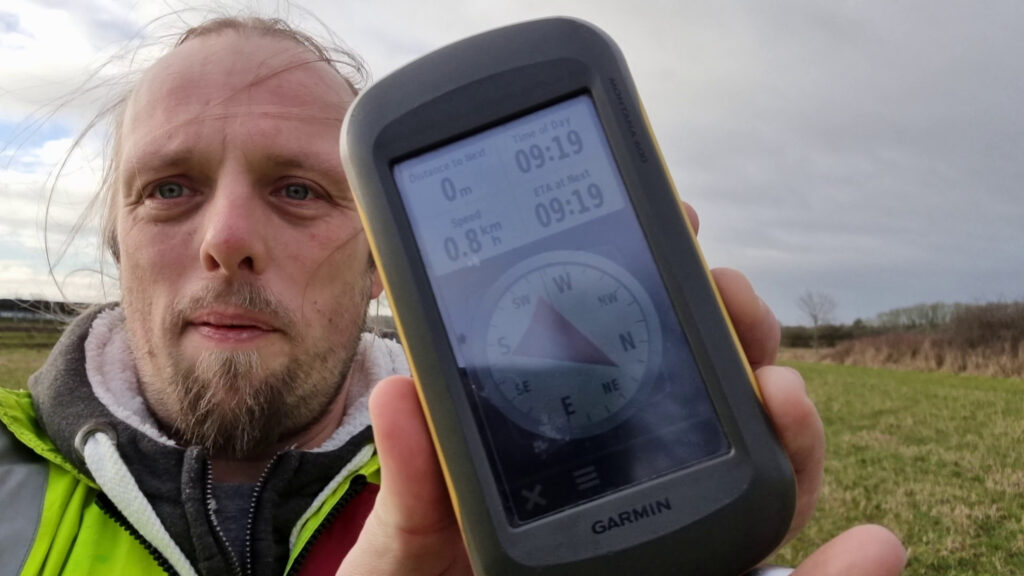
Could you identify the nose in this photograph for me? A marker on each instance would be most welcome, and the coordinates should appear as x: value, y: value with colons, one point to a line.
x: 233, y: 236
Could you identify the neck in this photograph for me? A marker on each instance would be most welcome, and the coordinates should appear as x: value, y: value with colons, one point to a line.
x: 249, y: 470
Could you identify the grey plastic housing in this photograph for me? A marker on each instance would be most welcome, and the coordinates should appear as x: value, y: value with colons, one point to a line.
x: 727, y: 514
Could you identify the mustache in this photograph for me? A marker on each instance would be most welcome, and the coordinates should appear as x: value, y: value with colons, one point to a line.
x: 243, y: 295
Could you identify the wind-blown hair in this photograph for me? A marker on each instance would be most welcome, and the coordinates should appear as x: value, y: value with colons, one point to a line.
x: 103, y: 205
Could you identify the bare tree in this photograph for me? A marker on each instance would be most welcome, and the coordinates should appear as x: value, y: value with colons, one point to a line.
x: 819, y: 307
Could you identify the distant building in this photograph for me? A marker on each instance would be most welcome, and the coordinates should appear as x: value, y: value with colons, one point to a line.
x: 38, y: 310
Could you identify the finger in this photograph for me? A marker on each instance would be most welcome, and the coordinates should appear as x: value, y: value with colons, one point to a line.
x: 862, y: 551
x: 415, y: 496
x: 801, y: 433
x: 691, y: 216
x: 412, y: 528
x: 755, y: 324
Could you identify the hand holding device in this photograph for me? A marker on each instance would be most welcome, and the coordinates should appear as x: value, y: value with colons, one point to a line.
x: 413, y: 532
x: 589, y: 401
x: 541, y: 268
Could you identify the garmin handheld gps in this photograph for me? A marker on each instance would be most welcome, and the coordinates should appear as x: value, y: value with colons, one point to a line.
x: 590, y: 404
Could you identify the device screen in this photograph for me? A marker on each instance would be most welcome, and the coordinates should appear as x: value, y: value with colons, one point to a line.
x: 580, y: 376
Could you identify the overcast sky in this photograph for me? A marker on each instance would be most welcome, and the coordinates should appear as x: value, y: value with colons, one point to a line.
x: 873, y: 151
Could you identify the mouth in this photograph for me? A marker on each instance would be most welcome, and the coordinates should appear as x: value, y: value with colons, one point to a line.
x: 227, y: 326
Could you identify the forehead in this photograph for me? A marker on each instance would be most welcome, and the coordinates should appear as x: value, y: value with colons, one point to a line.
x: 232, y: 75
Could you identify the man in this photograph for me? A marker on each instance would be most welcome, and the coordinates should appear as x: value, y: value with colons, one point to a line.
x: 216, y: 422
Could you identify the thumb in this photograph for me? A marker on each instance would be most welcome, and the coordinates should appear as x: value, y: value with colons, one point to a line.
x: 860, y: 551
x: 412, y: 529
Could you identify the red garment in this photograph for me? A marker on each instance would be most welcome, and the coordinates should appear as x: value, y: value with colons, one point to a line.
x: 333, y: 545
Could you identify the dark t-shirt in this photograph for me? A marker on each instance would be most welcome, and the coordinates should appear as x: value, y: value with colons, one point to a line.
x: 233, y: 504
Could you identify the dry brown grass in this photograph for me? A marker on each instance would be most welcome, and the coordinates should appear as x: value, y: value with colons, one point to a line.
x: 985, y: 340
x: 803, y: 354
x: 926, y: 352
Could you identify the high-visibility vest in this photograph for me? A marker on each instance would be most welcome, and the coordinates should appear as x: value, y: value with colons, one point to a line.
x: 51, y: 524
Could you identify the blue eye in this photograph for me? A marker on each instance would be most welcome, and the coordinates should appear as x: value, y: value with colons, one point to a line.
x: 169, y: 190
x: 297, y: 192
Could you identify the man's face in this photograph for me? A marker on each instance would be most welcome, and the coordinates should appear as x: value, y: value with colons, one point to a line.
x: 245, y: 273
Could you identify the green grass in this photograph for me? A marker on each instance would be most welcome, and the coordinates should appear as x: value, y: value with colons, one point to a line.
x: 938, y: 458
x: 14, y: 339
x: 21, y: 354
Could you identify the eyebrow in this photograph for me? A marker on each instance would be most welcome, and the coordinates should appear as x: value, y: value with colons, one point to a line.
x: 141, y: 162
x: 184, y: 156
x: 307, y: 162
x: 316, y: 164
x: 135, y: 166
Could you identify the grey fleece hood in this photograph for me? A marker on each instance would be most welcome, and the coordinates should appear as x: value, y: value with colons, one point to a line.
x: 177, y: 481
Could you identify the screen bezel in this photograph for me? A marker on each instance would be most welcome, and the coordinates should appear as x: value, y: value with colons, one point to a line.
x: 688, y: 382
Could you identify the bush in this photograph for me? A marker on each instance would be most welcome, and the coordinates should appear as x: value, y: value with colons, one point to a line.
x: 829, y: 335
x: 987, y: 325
x: 985, y: 339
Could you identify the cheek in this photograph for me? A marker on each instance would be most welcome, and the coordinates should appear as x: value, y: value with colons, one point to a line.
x: 338, y: 280
x: 153, y: 263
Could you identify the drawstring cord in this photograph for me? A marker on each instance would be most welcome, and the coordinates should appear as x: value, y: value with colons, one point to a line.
x: 97, y: 446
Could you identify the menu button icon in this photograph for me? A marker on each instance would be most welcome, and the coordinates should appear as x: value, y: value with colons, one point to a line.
x: 586, y: 478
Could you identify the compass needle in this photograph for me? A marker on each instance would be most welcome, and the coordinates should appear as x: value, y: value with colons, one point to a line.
x: 551, y: 335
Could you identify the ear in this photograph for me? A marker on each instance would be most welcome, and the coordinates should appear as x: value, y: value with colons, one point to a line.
x: 376, y: 286
x: 113, y: 245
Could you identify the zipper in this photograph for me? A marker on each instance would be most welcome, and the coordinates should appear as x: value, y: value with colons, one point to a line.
x: 355, y: 488
x: 211, y: 516
x: 108, y: 508
x: 256, y: 491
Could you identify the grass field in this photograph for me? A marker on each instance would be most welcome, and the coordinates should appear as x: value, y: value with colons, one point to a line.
x: 938, y: 458
x: 21, y: 354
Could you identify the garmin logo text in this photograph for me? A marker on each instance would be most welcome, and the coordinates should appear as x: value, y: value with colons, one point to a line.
x: 631, y: 516
x: 629, y: 120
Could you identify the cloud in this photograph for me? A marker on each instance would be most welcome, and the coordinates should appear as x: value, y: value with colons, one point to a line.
x: 37, y: 219
x: 868, y: 150
x: 102, y: 22
x: 9, y: 23
x: 45, y: 52
x: 19, y: 279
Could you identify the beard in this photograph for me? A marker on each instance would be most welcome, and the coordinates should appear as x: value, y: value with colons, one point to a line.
x: 230, y: 402
x: 235, y: 408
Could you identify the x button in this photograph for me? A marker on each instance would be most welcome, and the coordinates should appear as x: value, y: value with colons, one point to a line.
x: 533, y: 498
